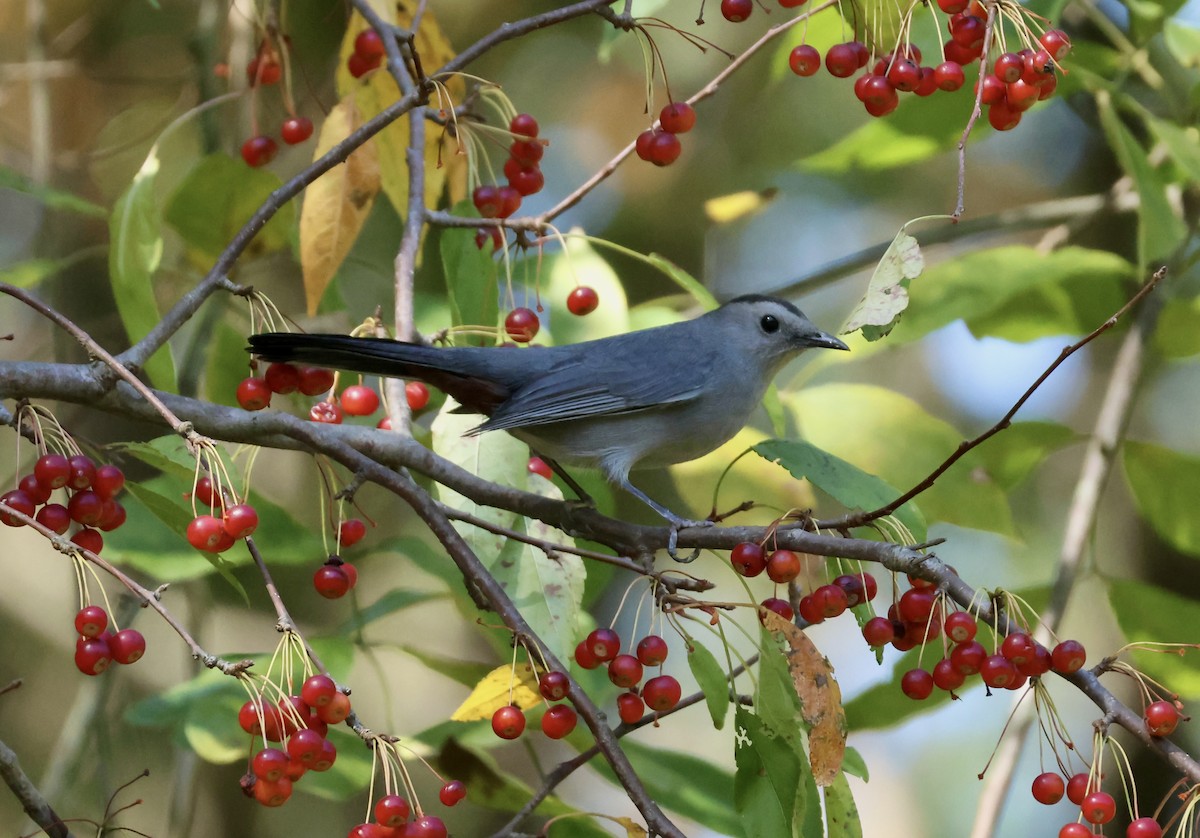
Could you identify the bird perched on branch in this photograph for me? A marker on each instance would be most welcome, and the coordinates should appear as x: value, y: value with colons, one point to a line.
x: 646, y: 399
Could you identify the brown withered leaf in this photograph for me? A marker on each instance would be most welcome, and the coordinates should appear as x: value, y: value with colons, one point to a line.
x: 337, y: 204
x: 820, y: 699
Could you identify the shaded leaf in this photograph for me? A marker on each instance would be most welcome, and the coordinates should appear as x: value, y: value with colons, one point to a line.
x: 1178, y: 332
x: 1183, y: 40
x: 470, y: 276
x: 684, y: 280
x: 841, y: 814
x: 49, y: 196
x: 684, y: 783
x: 712, y: 680
x: 820, y: 699
x: 464, y: 672
x: 134, y: 254
x: 846, y: 483
x: 499, y: 688
x: 1013, y: 454
x: 336, y: 205
x: 887, y: 293
x: 33, y: 271
x: 768, y: 778
x: 1154, y: 615
x: 393, y: 601
x: 1183, y: 142
x: 1165, y: 485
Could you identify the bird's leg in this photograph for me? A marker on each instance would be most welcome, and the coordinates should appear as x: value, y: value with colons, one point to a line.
x: 677, y: 523
x: 557, y: 468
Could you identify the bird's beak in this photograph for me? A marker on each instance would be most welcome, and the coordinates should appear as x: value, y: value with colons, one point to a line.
x: 821, y: 340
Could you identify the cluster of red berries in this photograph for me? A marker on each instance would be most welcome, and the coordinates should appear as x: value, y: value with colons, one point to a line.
x: 264, y: 69
x: 368, y: 54
x: 1095, y: 806
x: 660, y: 693
x: 522, y: 324
x: 784, y: 566
x: 254, y: 393
x: 213, y: 534
x: 336, y: 578
x: 392, y: 812
x: 1018, y: 79
x: 524, y: 174
x: 735, y: 11
x: 91, y: 501
x: 661, y: 145
x: 508, y: 722
x: 98, y: 646
x: 300, y: 724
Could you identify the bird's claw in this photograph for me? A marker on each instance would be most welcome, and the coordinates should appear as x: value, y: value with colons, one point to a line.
x: 673, y: 539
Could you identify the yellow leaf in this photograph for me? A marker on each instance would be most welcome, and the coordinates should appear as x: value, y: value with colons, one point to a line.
x: 498, y: 688
x: 632, y: 828
x: 336, y: 205
x: 820, y: 699
x: 738, y: 205
x: 445, y: 167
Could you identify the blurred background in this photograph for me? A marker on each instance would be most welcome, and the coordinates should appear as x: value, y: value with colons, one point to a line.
x: 86, y: 87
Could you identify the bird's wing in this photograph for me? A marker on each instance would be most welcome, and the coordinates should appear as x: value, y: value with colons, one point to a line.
x: 624, y: 383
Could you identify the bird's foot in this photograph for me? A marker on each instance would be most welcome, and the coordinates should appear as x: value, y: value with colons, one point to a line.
x: 678, y: 524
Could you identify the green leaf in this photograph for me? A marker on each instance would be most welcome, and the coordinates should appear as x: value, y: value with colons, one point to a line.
x: 394, y: 600
x: 768, y: 779
x: 1073, y: 306
x: 208, y: 731
x: 884, y: 705
x: 168, y: 454
x: 846, y: 483
x: 854, y: 765
x: 776, y: 701
x: 1165, y: 485
x: 683, y: 783
x: 1154, y: 615
x: 1178, y: 332
x: 1147, y: 17
x: 712, y: 680
x: 887, y: 293
x: 840, y: 812
x: 134, y: 255
x: 464, y: 672
x: 1159, y: 230
x: 986, y: 281
x: 218, y: 197
x: 33, y: 271
x: 1014, y: 453
x: 684, y: 280
x: 915, y: 132
x: 470, y: 275
x: 50, y: 197
x: 1183, y: 142
x: 546, y: 589
x: 1183, y: 41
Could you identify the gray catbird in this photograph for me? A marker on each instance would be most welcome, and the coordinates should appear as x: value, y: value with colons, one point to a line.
x: 646, y: 399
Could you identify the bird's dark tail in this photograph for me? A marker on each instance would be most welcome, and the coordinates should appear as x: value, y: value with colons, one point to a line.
x: 376, y: 356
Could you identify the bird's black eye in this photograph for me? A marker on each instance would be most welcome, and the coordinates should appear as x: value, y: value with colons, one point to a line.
x: 769, y: 323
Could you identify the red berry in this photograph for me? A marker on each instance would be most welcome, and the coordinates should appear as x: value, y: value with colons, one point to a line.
x: 1008, y: 67
x: 508, y: 722
x: 335, y: 712
x: 783, y: 566
x: 904, y: 75
x: 1075, y: 830
x: 928, y: 84
x: 952, y: 7
x: 949, y: 75
x: 240, y: 520
x: 604, y: 644
x: 1002, y: 117
x: 917, y: 684
x: 1143, y: 828
x: 304, y: 746
x: 652, y: 650
x: 994, y: 90
x: 1021, y: 96
x: 946, y: 676
x: 487, y: 201
x: 642, y: 145
x: 351, y: 532
x: 111, y: 516
x: 859, y: 588
x: 510, y: 201
x: 273, y: 794
x: 369, y: 830
x: 1018, y: 647
x: 109, y: 481
x: 522, y: 325
x: 259, y: 151
x: 780, y: 606
x: 625, y: 671
x: 558, y: 721
x: 997, y: 671
x: 359, y: 400
x: 270, y: 764
x: 584, y: 656
x: 1048, y: 788
x: 748, y: 559
x: 205, y: 532
x: 878, y: 631
x: 677, y: 118
x: 21, y: 502
x: 811, y: 611
x: 315, y: 380
x: 537, y: 465
x: 369, y: 44
x: 326, y: 412
x: 664, y: 148
x: 452, y: 792
x: 553, y: 685
x: 1099, y: 807
x: 841, y: 60
x: 630, y: 707
x: 85, y: 507
x: 960, y: 626
x: 523, y: 125
x: 527, y: 181
x: 83, y: 472
x: 661, y: 693
x: 416, y: 393
x: 1161, y: 718
x: 526, y: 152
x: 359, y: 66
x: 916, y: 604
x: 91, y: 621
x: 318, y: 690
x: 426, y: 826
x: 1055, y: 42
x: 967, y: 30
x: 1038, y: 664
x: 88, y: 539
x: 52, y: 516
x: 36, y: 492
x: 391, y: 810
x: 884, y: 107
x: 582, y: 300
x: 331, y: 582
x: 968, y: 657
x: 1077, y: 788
x: 804, y: 60
x: 92, y: 656
x: 52, y: 470
x: 830, y: 598
x: 296, y: 129
x: 1068, y: 657
x: 735, y: 11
